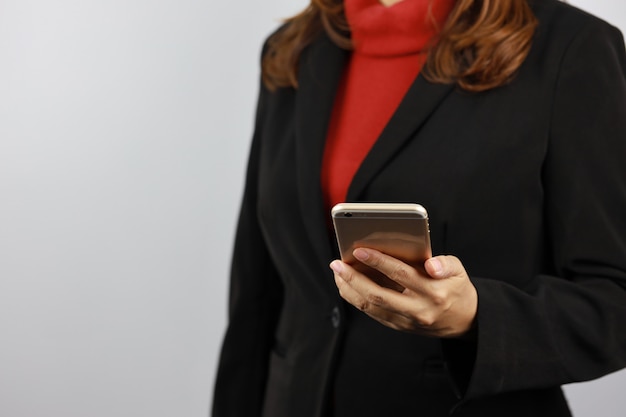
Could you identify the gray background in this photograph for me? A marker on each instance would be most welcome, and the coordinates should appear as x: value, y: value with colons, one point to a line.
x: 124, y: 129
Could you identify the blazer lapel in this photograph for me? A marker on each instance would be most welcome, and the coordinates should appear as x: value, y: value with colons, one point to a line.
x: 417, y: 105
x: 320, y: 72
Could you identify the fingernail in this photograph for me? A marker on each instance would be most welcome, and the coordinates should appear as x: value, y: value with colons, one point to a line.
x: 361, y: 254
x: 336, y: 266
x: 436, y: 265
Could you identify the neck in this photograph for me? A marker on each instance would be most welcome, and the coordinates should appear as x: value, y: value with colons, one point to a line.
x: 389, y: 2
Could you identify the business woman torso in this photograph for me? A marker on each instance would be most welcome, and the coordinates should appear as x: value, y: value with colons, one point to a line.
x: 525, y: 183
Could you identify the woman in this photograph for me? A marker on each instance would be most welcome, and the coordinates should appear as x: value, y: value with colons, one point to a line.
x: 507, y: 121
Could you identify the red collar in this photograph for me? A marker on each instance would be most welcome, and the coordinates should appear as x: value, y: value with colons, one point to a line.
x: 406, y: 27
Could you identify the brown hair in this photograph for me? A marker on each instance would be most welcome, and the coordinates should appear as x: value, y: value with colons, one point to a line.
x: 481, y: 46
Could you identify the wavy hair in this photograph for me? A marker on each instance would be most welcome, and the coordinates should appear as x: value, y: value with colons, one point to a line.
x: 480, y: 47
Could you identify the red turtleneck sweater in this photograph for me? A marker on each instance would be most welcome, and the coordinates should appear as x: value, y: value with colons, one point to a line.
x: 390, y: 47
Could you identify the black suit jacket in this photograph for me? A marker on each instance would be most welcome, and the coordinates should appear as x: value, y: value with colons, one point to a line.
x: 525, y: 183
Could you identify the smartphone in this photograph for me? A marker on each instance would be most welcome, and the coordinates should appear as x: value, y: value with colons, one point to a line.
x: 396, y: 229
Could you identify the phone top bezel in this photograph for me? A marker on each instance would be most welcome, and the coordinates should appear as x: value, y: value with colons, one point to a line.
x: 379, y: 209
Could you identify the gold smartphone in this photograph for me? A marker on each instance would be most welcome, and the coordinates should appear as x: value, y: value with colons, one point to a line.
x: 396, y: 229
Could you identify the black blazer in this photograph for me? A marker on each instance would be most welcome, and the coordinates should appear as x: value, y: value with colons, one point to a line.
x: 526, y: 184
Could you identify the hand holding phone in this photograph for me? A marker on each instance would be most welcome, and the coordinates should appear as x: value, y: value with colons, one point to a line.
x: 399, y: 230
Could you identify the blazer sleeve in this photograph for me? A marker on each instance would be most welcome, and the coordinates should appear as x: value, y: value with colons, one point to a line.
x: 254, y: 302
x: 571, y: 324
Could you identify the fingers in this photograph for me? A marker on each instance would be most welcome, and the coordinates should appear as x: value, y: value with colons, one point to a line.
x: 440, y: 267
x: 444, y: 266
x: 439, y: 300
x: 369, y: 297
x: 359, y: 290
x: 388, y: 266
x: 387, y: 306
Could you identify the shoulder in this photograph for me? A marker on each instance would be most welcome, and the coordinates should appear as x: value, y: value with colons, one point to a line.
x: 568, y: 34
x: 562, y: 22
x: 271, y: 36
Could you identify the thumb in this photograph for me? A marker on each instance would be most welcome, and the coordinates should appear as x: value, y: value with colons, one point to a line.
x: 443, y: 266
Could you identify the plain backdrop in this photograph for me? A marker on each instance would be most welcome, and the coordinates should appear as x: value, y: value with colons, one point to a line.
x: 124, y: 130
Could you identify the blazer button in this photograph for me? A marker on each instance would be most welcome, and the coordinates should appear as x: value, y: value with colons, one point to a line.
x: 335, y: 317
